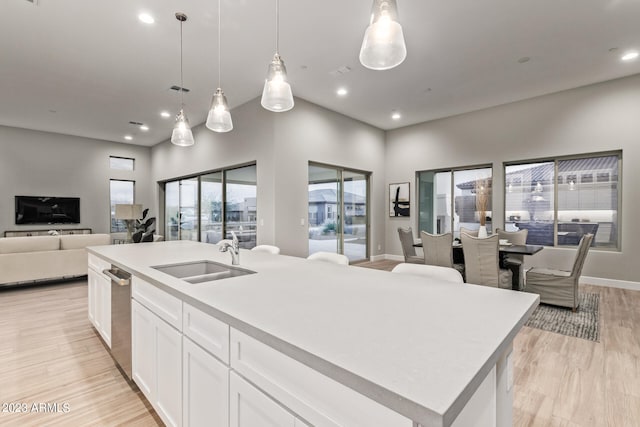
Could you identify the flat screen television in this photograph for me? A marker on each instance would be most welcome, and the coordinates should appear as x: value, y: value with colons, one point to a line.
x: 47, y: 210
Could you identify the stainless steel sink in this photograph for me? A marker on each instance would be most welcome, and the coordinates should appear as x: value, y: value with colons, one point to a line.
x: 202, y: 271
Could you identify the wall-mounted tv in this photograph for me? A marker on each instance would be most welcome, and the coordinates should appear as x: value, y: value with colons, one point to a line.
x: 47, y: 210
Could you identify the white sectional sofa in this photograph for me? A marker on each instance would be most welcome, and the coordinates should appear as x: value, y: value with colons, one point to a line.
x: 34, y: 258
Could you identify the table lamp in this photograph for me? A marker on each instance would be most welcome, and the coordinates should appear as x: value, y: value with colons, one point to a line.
x: 129, y: 213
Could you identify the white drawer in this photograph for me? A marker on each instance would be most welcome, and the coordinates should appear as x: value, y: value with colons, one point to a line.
x: 308, y: 393
x: 98, y: 264
x: 161, y: 303
x: 206, y: 331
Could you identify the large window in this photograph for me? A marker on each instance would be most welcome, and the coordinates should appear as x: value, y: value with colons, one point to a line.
x: 120, y: 192
x: 560, y: 200
x: 209, y: 207
x: 447, y: 199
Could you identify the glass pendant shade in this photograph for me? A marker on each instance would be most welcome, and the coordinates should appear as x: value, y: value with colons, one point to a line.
x: 219, y: 118
x: 383, y: 45
x: 276, y: 95
x: 182, y: 134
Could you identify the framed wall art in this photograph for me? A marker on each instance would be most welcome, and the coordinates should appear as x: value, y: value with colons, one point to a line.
x: 399, y: 199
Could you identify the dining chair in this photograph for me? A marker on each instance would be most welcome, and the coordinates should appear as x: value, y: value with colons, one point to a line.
x: 437, y: 248
x: 329, y: 257
x: 409, y: 252
x: 468, y: 231
x: 513, y: 261
x: 559, y: 287
x: 481, y: 262
x: 436, y: 272
x: 267, y: 248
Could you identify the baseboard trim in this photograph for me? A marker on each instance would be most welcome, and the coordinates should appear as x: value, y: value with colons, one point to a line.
x: 394, y: 257
x: 611, y: 283
x: 377, y: 258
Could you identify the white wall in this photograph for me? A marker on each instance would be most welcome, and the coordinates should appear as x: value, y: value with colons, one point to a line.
x: 282, y: 144
x: 594, y: 118
x: 34, y: 163
x: 312, y: 133
x: 251, y: 140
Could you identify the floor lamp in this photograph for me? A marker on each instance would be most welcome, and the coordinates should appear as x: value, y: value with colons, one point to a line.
x: 129, y: 213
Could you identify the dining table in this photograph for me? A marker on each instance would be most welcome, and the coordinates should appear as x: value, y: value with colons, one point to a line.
x: 503, y: 252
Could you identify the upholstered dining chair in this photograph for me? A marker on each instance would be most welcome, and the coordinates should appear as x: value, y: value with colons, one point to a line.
x: 267, y: 248
x: 468, y: 231
x: 438, y: 250
x: 409, y: 252
x: 513, y: 261
x: 559, y: 287
x: 431, y: 271
x: 329, y: 257
x: 481, y: 262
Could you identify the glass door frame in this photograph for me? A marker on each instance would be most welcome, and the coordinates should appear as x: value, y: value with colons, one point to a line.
x: 340, y: 172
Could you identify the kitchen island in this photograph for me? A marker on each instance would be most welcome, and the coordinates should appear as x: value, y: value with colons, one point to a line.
x: 313, y: 343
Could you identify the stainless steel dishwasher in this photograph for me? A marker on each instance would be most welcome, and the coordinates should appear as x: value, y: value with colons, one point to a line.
x: 120, y: 317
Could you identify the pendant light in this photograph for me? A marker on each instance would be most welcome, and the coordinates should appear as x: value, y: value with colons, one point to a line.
x: 383, y: 46
x: 182, y: 134
x: 219, y: 118
x: 276, y: 95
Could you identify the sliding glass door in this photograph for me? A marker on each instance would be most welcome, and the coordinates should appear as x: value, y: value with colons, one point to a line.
x: 338, y: 211
x: 210, y: 206
x: 181, y: 209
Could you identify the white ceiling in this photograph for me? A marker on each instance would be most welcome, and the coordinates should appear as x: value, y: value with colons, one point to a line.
x: 88, y: 67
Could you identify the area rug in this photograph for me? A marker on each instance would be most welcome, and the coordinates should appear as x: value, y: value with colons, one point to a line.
x: 581, y: 324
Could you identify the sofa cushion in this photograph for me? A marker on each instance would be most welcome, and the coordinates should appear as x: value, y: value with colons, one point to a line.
x: 9, y: 245
x: 80, y: 241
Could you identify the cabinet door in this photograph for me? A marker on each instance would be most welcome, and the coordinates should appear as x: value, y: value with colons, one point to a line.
x: 104, y: 284
x: 205, y: 388
x: 91, y: 295
x: 143, y: 349
x: 249, y: 407
x: 168, y: 399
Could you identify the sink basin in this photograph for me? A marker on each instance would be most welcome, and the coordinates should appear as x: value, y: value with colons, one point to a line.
x: 202, y: 271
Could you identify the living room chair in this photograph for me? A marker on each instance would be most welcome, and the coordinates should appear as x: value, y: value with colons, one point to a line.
x: 267, y: 248
x: 513, y: 261
x: 481, y: 259
x: 559, y: 287
x: 409, y: 252
x: 447, y: 274
x: 329, y: 257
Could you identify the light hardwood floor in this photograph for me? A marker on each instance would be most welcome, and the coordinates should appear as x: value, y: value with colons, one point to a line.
x: 49, y: 353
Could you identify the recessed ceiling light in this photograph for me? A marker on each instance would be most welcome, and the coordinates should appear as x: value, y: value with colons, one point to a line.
x: 146, y: 18
x: 629, y: 56
x: 128, y: 137
x: 342, y: 91
x: 165, y: 114
x: 396, y: 116
x: 144, y: 128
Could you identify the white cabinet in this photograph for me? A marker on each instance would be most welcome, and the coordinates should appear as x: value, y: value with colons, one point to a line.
x: 250, y: 407
x: 306, y: 392
x: 205, y: 385
x: 142, y: 349
x: 157, y: 363
x: 91, y: 296
x: 99, y: 296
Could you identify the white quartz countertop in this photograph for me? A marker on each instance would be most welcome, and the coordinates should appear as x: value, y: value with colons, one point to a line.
x: 417, y: 346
